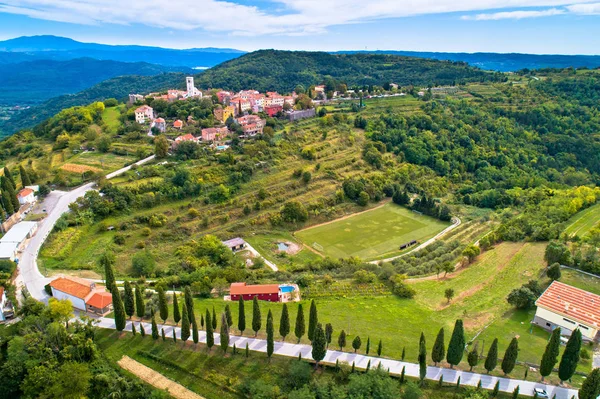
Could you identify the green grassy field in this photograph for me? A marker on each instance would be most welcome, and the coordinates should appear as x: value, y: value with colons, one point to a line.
x: 582, y: 222
x: 373, y: 233
x: 580, y: 280
x: 111, y: 115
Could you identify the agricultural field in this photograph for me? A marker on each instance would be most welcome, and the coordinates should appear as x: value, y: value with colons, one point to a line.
x: 582, y: 222
x: 111, y: 115
x: 372, y: 233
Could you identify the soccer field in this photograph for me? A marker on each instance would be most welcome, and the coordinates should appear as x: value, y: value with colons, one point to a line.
x: 371, y: 234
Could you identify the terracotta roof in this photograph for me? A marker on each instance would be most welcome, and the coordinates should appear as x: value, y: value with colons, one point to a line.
x: 72, y: 286
x: 100, y: 300
x: 159, y: 120
x: 571, y: 302
x: 186, y: 137
x: 177, y: 123
x: 1, y: 291
x: 143, y: 108
x: 243, y: 289
x: 25, y: 192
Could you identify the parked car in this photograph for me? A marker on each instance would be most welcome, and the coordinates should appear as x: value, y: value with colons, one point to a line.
x: 540, y: 393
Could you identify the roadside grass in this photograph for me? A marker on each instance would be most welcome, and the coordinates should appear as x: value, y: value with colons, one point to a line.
x: 582, y: 222
x: 373, y: 233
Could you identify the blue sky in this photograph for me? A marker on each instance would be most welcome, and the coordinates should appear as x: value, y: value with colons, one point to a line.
x: 527, y: 26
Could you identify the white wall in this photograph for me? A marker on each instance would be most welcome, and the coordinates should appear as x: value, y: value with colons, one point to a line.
x: 78, y: 303
x: 557, y: 319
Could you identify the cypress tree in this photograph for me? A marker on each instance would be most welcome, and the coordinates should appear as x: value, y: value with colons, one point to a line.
x: 353, y: 367
x: 202, y: 321
x: 491, y: 361
x: 590, y: 389
x: 174, y: 336
x: 368, y: 366
x: 142, y: 330
x: 550, y: 356
x: 247, y: 351
x: 25, y: 180
x: 7, y: 204
x: 299, y: 328
x: 210, y: 338
x: 284, y: 322
x: 128, y: 300
x: 458, y: 382
x: 185, y: 323
x: 194, y: 330
x: 515, y: 393
x: 319, y: 345
x: 337, y: 365
x: 441, y: 381
x: 189, y: 302
x: 176, y: 312
x: 342, y: 340
x: 241, y: 316
x: 154, y: 329
x: 312, y: 320
x: 234, y: 349
x: 356, y: 343
x: 473, y: 357
x: 439, y: 349
x: 214, y: 319
x: 140, y: 308
x: 570, y: 357
x: 379, y: 348
x: 368, y: 346
x: 8, y: 175
x: 107, y: 260
x: 270, y: 337
x: 256, y: 318
x: 456, y: 346
x: 496, y: 389
x: 402, y: 375
x: 224, y: 335
x: 422, y: 359
x: 133, y: 331
x: 479, y: 385
x: 510, y: 357
x: 228, y: 316
x: 119, y: 310
x: 8, y: 189
x: 403, y: 353
x: 163, y: 307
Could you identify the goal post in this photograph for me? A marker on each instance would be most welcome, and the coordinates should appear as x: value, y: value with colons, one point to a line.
x: 317, y: 246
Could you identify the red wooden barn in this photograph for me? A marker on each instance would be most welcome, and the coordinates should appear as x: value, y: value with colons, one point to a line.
x: 264, y: 292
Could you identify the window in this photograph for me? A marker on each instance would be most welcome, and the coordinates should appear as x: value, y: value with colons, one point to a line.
x: 548, y: 325
x: 584, y: 327
x: 569, y: 321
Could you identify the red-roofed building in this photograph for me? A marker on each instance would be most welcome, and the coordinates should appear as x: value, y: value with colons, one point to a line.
x: 185, y: 137
x: 273, y: 110
x: 566, y: 307
x: 26, y: 196
x: 215, y: 133
x: 99, y: 303
x: 82, y: 293
x: 264, y: 292
x: 178, y: 124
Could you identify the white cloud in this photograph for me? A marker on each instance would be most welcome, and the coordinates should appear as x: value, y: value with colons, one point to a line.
x: 585, y: 9
x: 514, y: 15
x: 283, y: 17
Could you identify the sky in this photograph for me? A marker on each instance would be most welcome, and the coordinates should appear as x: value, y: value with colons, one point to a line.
x: 524, y: 26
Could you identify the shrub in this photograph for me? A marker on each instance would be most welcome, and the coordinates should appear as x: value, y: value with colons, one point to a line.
x: 143, y: 263
x: 119, y: 239
x: 157, y: 220
x: 146, y: 231
x: 193, y: 213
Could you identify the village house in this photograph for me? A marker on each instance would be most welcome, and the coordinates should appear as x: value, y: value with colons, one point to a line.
x: 178, y: 124
x: 222, y: 114
x: 26, y: 196
x: 264, y: 292
x: 83, y: 294
x: 185, y: 137
x: 223, y: 96
x: 160, y: 124
x: 7, y: 309
x: 566, y: 307
x: 144, y: 113
x: 273, y: 110
x: 235, y: 244
x: 251, y: 125
x: 133, y: 98
x: 215, y: 133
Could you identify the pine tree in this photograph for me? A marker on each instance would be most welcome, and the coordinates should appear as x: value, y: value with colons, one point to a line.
x: 241, y: 316
x: 510, y: 357
x: 319, y: 345
x: 228, y: 316
x: 356, y: 343
x: 550, y: 356
x: 25, y: 180
x: 570, y: 357
x: 456, y: 347
x: 284, y: 322
x: 342, y: 340
x: 422, y: 359
x: 312, y: 320
x: 142, y: 330
x: 270, y: 333
x: 496, y: 389
x: 515, y: 393
x: 256, y: 317
x: 119, y: 310
x: 133, y: 331
x: 491, y: 361
x: 379, y: 348
x: 210, y: 338
x: 224, y: 335
x: 368, y: 346
x: 299, y: 328
x: 403, y: 353
x: 185, y: 323
x: 140, y: 308
x: 154, y: 329
x: 163, y: 306
x: 439, y: 348
x: 214, y: 319
x: 8, y: 189
x: 194, y: 330
x: 473, y: 357
x: 189, y: 302
x: 403, y: 375
x: 128, y: 300
x: 590, y: 389
x: 176, y: 312
x: 107, y: 261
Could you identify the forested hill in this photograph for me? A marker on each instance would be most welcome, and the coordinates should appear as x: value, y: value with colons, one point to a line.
x: 283, y: 70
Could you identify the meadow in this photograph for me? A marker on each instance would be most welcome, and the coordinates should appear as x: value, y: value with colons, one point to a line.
x: 582, y: 222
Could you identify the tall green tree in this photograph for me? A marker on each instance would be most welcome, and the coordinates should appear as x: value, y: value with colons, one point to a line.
x: 118, y: 308
x: 241, y: 316
x: 319, y: 345
x: 270, y: 333
x: 189, y: 302
x: 162, y: 333
x: 107, y: 261
x: 570, y: 357
x: 195, y: 331
x: 312, y: 320
x: 161, y: 147
x: 590, y: 389
x: 224, y: 335
x: 491, y: 361
x: 256, y: 317
x: 356, y: 343
x: 142, y: 330
x: 342, y: 339
x: 214, y: 319
x: 163, y: 306
x: 550, y: 356
x: 379, y: 348
x: 456, y: 347
x: 8, y: 189
x: 25, y: 179
x: 228, y: 316
x: 368, y: 346
x: 328, y: 333
x: 128, y: 300
x: 210, y: 338
x: 154, y: 329
x: 9, y: 176
x: 510, y: 357
x: 7, y: 204
x: 140, y: 307
x: 422, y: 359
x: 176, y: 312
x: 284, y: 322
x: 133, y: 330
x: 439, y: 348
x: 299, y: 328
x: 473, y: 357
x: 185, y: 323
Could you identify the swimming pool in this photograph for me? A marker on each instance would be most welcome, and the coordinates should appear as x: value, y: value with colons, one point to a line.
x: 282, y: 246
x: 286, y: 288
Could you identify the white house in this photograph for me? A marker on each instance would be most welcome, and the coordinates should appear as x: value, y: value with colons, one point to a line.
x: 143, y: 113
x: 83, y: 294
x: 566, y: 307
x: 26, y: 196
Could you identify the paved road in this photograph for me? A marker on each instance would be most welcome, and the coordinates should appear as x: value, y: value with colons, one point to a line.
x: 395, y: 366
x: 29, y: 274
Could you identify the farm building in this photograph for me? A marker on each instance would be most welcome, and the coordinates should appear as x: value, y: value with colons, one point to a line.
x: 14, y: 240
x: 235, y: 244
x: 566, y: 307
x: 83, y: 294
x: 264, y: 292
